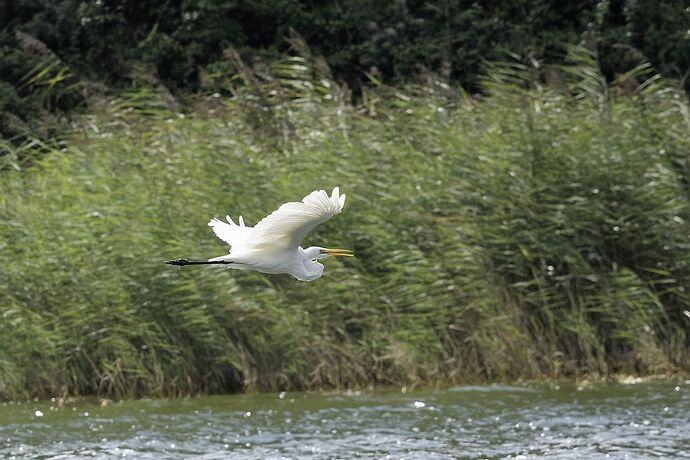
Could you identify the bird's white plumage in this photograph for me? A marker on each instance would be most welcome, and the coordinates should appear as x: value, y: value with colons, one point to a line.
x: 285, y: 227
x: 273, y: 244
x: 230, y: 232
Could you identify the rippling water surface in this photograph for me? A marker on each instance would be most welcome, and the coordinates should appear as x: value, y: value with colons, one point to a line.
x: 644, y: 420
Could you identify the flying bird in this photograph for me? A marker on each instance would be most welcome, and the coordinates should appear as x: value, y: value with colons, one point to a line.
x: 273, y: 245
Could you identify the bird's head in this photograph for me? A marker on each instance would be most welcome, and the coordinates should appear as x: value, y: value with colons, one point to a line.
x: 313, y: 269
x: 315, y: 253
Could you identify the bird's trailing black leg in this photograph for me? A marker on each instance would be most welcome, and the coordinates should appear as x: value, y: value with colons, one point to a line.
x: 181, y: 262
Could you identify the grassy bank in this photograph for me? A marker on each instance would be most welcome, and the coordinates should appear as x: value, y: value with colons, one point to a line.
x: 537, y: 232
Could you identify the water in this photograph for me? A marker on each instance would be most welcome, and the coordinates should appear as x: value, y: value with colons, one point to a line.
x: 644, y: 420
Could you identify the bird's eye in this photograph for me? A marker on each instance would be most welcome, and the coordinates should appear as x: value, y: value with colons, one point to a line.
x: 313, y: 260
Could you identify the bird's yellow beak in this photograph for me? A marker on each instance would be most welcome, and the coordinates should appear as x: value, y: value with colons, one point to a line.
x: 337, y: 252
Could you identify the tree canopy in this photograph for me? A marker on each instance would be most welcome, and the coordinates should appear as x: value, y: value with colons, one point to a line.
x: 176, y: 41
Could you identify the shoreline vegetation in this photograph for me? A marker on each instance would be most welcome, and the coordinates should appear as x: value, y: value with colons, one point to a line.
x: 581, y: 383
x: 538, y: 231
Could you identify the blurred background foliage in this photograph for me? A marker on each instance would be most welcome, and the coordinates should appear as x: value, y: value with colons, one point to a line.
x: 74, y: 47
x: 536, y: 231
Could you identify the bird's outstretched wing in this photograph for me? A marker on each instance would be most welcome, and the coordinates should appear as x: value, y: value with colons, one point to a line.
x: 285, y: 227
x: 290, y: 223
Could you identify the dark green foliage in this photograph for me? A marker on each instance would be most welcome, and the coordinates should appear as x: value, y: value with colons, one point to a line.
x: 34, y: 87
x: 105, y: 39
x: 175, y: 45
x: 541, y: 232
x: 630, y: 31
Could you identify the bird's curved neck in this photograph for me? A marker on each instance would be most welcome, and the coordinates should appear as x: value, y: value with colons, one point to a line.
x: 311, y: 268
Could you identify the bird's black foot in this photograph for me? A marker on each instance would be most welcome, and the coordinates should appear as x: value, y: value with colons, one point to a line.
x: 178, y: 262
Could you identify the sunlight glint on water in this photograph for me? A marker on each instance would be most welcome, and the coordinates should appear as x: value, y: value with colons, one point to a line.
x: 644, y: 420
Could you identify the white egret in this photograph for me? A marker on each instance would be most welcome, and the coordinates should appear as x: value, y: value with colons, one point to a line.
x: 273, y: 245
